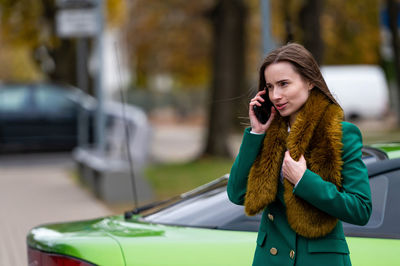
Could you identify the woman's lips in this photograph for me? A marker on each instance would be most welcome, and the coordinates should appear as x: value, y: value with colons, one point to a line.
x: 280, y: 106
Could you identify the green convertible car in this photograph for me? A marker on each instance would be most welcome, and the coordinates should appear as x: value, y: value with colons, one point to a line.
x: 202, y: 227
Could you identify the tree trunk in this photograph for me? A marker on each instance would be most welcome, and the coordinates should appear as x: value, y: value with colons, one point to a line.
x: 393, y: 11
x: 309, y: 17
x: 288, y: 22
x: 63, y: 54
x: 228, y: 18
x: 64, y: 57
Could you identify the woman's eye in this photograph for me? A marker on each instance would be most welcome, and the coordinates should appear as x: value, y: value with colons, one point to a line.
x: 283, y: 83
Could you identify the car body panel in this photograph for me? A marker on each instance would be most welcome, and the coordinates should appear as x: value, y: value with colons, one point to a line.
x: 165, y: 245
x: 391, y: 149
x: 373, y: 251
x: 155, y: 244
x: 361, y: 90
x: 188, y: 246
x: 82, y: 240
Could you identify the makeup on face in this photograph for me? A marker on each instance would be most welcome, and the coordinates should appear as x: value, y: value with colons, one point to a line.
x: 287, y: 90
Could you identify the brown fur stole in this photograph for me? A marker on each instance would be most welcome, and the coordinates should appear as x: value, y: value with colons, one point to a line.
x: 316, y: 134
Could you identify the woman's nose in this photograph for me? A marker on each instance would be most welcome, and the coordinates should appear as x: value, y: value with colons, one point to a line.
x: 274, y: 95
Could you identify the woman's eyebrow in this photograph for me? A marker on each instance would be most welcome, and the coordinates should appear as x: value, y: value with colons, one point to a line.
x: 278, y: 81
x: 281, y: 80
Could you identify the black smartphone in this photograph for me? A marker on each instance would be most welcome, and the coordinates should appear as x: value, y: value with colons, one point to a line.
x: 263, y: 112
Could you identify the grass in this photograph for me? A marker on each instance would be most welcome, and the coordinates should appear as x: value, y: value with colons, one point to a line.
x: 371, y: 137
x: 171, y: 179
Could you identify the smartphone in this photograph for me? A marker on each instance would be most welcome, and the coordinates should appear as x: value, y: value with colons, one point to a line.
x: 263, y: 112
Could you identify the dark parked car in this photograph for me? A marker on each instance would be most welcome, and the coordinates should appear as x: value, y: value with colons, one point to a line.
x: 40, y: 116
x: 202, y: 227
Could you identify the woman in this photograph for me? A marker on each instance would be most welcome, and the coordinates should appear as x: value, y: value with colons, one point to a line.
x: 302, y: 168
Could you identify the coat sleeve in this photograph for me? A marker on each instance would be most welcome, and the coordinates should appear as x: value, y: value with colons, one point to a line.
x: 248, y: 152
x: 353, y: 203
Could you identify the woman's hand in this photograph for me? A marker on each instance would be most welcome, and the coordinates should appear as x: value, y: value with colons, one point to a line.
x: 293, y: 171
x: 257, y: 126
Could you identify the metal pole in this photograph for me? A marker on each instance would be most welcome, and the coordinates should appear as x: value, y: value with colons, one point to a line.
x: 100, y: 119
x: 268, y: 42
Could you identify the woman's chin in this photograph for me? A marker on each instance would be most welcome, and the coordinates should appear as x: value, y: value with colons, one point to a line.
x: 283, y: 113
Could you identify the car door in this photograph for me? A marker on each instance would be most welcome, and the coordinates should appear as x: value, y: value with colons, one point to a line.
x: 378, y: 242
x: 17, y: 116
x: 58, y: 112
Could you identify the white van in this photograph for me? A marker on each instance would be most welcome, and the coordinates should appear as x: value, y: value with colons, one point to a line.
x: 361, y: 90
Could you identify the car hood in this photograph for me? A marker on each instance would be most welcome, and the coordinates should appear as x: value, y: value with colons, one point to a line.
x: 84, y: 239
x: 391, y: 149
x: 116, y: 241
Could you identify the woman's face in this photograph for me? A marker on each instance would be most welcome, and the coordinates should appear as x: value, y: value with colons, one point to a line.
x: 286, y: 89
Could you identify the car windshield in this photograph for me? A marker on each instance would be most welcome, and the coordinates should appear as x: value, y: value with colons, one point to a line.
x: 211, y: 209
x: 14, y: 98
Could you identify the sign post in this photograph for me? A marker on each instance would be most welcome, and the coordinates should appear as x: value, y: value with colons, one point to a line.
x: 267, y: 40
x: 82, y: 19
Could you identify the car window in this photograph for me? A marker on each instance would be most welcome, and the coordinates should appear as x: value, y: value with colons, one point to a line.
x: 211, y: 209
x: 385, y: 217
x: 50, y: 99
x: 14, y: 98
x: 379, y: 189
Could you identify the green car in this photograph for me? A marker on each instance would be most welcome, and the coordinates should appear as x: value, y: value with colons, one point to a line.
x: 202, y: 227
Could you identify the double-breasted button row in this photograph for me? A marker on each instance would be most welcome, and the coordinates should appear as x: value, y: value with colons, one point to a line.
x: 270, y: 217
x: 274, y: 251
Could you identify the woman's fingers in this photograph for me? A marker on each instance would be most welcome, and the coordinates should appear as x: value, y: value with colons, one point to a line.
x: 293, y: 170
x: 256, y: 125
x: 257, y: 100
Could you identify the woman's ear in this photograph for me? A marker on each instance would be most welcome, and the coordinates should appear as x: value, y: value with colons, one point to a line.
x: 310, y: 86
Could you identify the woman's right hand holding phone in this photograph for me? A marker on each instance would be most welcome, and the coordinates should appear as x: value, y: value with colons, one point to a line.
x: 256, y: 126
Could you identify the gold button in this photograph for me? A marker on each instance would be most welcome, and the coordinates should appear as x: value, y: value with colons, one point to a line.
x: 292, y: 254
x: 273, y: 251
x: 270, y: 217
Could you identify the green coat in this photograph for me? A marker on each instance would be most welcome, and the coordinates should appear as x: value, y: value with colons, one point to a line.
x: 277, y: 243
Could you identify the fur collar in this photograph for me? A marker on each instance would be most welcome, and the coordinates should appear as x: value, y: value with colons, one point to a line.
x: 316, y: 134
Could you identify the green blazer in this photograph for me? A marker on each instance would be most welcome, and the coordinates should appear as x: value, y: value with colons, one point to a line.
x: 277, y: 243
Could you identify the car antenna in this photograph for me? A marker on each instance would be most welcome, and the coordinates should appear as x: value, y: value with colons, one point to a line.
x: 128, y: 214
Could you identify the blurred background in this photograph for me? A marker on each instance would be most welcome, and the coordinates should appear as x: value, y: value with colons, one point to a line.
x: 129, y: 101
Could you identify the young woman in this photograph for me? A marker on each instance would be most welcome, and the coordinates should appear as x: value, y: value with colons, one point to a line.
x: 302, y: 168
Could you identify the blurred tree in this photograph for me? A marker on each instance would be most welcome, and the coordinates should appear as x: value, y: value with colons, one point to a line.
x: 349, y: 28
x: 351, y: 32
x: 169, y: 37
x: 310, y: 23
x: 393, y: 11
x: 30, y: 25
x: 228, y: 20
x: 18, y: 32
x: 199, y: 43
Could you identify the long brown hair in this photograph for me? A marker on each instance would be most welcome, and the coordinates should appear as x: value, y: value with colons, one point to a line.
x: 303, y: 63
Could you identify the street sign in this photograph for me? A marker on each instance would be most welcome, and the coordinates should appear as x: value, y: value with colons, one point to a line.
x: 77, y: 22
